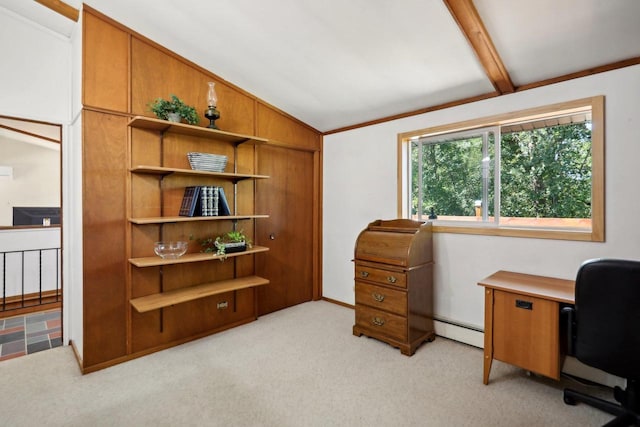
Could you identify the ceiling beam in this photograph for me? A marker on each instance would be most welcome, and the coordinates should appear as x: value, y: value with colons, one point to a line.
x: 62, y: 8
x: 466, y: 15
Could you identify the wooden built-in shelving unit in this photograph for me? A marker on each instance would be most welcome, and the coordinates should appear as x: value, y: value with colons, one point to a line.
x: 134, y: 173
x: 182, y: 289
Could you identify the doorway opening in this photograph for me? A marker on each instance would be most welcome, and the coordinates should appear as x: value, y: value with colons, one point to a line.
x: 30, y: 235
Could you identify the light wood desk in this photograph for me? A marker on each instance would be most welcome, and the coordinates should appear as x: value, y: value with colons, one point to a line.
x: 522, y: 321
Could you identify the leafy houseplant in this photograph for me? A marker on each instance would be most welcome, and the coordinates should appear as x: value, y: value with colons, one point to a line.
x: 232, y: 241
x: 163, y: 108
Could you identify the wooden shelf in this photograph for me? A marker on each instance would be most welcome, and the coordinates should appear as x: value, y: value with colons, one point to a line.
x: 141, y: 122
x: 170, y: 219
x: 194, y: 257
x: 158, y: 170
x: 190, y: 293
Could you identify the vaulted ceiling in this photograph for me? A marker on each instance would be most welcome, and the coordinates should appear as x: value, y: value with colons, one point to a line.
x: 335, y: 64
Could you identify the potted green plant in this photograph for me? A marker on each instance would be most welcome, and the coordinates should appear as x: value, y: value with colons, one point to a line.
x: 174, y: 110
x: 230, y: 242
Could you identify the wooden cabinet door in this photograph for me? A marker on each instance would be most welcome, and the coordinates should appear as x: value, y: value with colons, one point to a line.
x: 526, y: 332
x: 287, y: 197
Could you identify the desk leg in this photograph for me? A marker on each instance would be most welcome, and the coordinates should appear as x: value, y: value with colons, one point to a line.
x: 488, y: 333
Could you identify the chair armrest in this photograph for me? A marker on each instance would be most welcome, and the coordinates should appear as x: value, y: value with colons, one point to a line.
x: 569, y: 313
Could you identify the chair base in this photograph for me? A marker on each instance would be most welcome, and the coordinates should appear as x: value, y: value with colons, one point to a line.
x: 624, y: 416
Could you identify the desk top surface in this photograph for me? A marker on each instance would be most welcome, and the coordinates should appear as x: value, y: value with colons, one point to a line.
x: 550, y: 288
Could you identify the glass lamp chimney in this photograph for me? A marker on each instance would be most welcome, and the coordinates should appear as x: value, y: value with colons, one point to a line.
x: 212, y: 97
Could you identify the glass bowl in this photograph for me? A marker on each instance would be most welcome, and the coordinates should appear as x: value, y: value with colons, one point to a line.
x: 170, y: 250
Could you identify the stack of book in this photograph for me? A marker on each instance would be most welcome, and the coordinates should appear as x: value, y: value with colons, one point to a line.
x: 204, y: 200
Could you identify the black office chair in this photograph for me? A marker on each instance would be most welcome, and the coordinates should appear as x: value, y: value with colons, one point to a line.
x: 604, y: 332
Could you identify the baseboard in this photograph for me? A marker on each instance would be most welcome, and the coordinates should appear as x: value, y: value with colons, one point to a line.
x: 335, y: 301
x: 461, y: 333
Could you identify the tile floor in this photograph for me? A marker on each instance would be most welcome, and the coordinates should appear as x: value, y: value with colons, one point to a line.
x: 29, y: 333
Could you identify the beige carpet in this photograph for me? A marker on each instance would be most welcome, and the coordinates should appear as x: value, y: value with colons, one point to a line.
x: 297, y: 367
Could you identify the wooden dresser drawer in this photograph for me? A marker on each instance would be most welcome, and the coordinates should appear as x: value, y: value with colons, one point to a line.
x: 381, y: 297
x: 378, y: 275
x: 382, y: 322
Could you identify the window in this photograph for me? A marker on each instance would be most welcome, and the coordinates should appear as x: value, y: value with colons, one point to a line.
x: 534, y: 173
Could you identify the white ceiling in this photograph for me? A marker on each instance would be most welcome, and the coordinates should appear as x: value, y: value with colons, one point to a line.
x: 337, y: 63
x: 36, y: 133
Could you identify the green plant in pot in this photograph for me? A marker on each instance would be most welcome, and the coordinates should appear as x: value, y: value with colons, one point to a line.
x: 174, y: 110
x: 232, y: 241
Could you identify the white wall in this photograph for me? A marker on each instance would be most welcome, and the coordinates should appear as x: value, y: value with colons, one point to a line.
x: 72, y: 182
x: 34, y: 181
x: 36, y: 70
x: 35, y: 270
x: 72, y: 204
x: 360, y: 186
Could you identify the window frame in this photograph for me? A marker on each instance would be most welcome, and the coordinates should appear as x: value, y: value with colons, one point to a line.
x: 597, y: 232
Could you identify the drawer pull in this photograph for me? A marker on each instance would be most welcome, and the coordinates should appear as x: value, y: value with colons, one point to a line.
x: 378, y: 297
x: 377, y: 321
x: 364, y: 274
x: 527, y: 305
x: 391, y: 279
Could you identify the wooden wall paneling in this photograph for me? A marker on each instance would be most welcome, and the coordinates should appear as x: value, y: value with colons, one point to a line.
x: 145, y: 151
x: 104, y: 152
x: 287, y: 196
x: 187, y: 321
x: 246, y: 202
x: 237, y: 112
x: 143, y: 238
x: 246, y: 155
x: 203, y: 317
x: 149, y: 202
x: 147, y: 330
x: 145, y: 281
x: 196, y: 317
x: 123, y: 72
x: 282, y: 129
x: 172, y: 193
x: 145, y: 148
x: 156, y: 72
x: 105, y: 72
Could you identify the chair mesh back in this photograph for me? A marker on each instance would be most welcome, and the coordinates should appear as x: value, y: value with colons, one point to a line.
x: 608, y: 316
